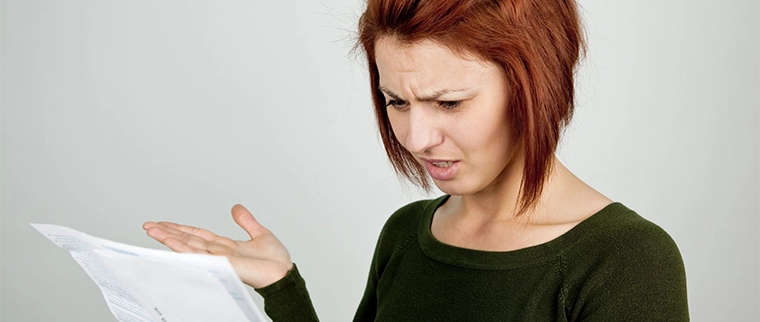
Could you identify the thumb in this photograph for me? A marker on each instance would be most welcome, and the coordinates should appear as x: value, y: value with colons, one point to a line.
x: 245, y: 220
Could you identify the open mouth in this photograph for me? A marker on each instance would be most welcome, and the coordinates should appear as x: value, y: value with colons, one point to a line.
x: 443, y: 164
x: 441, y: 169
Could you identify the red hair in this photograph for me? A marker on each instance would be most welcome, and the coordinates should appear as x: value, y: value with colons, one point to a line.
x: 536, y: 42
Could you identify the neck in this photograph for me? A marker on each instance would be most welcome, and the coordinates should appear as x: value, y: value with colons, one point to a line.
x: 498, y: 202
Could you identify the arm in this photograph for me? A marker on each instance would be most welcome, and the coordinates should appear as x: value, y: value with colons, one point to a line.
x: 368, y: 306
x: 288, y: 299
x: 400, y: 228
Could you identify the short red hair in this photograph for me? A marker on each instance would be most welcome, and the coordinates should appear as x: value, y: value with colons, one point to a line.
x: 537, y: 43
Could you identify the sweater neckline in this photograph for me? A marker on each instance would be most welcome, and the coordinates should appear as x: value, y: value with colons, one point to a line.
x: 498, y: 260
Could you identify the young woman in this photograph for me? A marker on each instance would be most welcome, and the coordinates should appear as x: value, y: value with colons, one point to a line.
x: 473, y: 95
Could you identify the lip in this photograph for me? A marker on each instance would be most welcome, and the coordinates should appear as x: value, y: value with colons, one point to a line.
x: 440, y: 173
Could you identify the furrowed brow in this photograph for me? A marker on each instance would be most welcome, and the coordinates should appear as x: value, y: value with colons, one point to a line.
x: 389, y: 93
x: 437, y: 94
x: 427, y: 98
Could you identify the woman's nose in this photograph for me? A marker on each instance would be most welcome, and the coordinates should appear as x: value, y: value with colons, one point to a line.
x: 423, y: 133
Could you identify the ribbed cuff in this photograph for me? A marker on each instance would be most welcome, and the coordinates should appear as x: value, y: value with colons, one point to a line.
x: 288, y: 299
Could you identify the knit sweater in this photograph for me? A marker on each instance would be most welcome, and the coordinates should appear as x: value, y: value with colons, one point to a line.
x: 613, y: 266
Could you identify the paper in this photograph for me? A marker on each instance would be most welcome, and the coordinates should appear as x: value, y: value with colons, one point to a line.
x: 144, y: 285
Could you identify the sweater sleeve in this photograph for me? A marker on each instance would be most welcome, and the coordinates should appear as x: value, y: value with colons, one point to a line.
x: 639, y: 276
x: 401, y: 225
x: 367, y: 309
x: 288, y: 299
x: 368, y: 306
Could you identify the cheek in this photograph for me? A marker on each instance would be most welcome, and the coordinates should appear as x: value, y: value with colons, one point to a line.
x: 399, y: 125
x: 501, y: 137
x: 487, y: 134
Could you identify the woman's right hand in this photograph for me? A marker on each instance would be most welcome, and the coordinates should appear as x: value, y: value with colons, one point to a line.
x: 259, y: 262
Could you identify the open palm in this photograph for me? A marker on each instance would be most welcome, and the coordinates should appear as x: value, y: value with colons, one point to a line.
x: 259, y: 262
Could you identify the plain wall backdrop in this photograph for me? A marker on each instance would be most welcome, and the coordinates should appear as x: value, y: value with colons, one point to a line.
x: 118, y: 112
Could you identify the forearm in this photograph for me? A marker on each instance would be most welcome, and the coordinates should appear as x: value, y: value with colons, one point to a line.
x: 288, y: 299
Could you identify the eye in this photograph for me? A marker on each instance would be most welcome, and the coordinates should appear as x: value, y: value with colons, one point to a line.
x: 397, y: 104
x: 449, y: 105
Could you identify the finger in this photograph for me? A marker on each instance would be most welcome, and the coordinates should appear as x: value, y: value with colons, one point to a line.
x: 195, y: 231
x: 185, y: 237
x: 180, y: 247
x: 180, y: 230
x: 157, y: 232
x: 168, y: 224
x: 220, y: 246
x: 162, y: 234
x: 245, y: 220
x: 148, y: 225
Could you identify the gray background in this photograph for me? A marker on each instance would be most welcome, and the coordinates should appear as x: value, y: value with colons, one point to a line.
x: 118, y: 112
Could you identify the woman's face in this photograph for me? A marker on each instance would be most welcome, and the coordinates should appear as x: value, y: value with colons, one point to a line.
x: 450, y: 112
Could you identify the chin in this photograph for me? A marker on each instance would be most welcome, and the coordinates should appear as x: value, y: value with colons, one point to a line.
x: 452, y: 187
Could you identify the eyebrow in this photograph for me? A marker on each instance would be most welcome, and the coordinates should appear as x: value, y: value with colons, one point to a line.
x: 432, y: 97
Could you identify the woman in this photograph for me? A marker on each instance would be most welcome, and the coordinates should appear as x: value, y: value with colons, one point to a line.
x: 473, y: 95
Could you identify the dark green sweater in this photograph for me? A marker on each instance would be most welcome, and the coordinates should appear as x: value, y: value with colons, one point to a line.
x: 613, y: 266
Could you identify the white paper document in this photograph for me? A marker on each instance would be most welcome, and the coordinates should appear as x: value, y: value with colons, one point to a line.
x: 145, y: 285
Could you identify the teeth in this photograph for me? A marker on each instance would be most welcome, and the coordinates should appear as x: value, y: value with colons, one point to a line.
x: 442, y: 164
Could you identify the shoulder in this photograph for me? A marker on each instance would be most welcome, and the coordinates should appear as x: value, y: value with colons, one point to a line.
x: 621, y: 232
x: 623, y: 263
x: 401, y: 228
x: 410, y: 214
x: 406, y: 220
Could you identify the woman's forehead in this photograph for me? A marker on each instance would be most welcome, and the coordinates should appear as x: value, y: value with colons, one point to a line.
x: 422, y: 50
x: 428, y: 65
